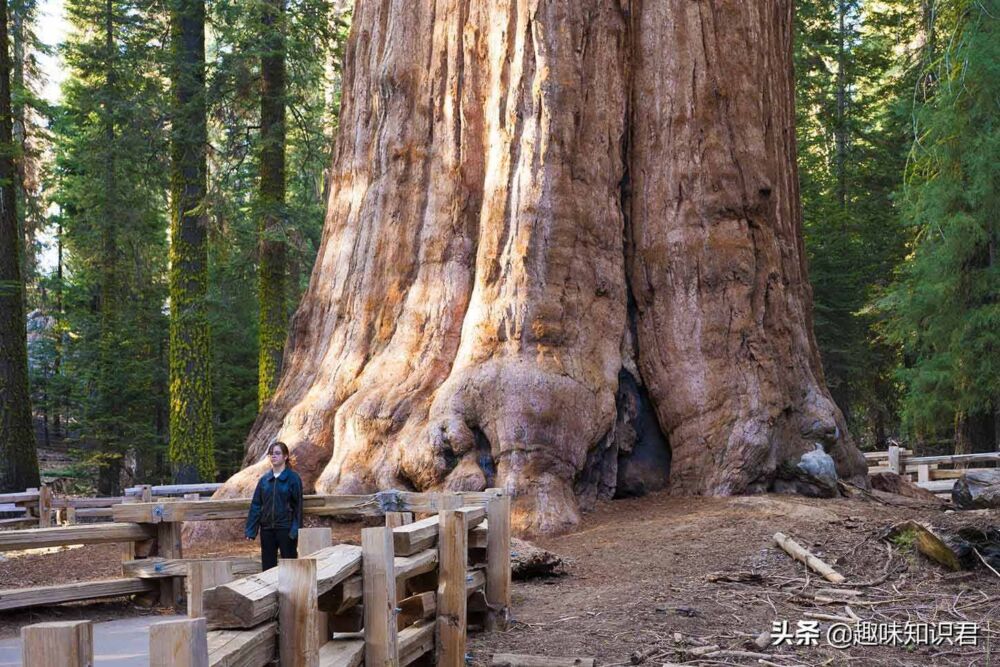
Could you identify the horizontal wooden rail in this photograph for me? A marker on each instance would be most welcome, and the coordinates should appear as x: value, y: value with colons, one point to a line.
x: 175, y: 489
x: 86, y: 503
x: 952, y: 458
x: 34, y: 538
x: 21, y: 497
x: 156, y: 568
x: 18, y: 598
x: 236, y: 508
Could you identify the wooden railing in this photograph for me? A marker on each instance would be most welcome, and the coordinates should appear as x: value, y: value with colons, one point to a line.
x: 934, y: 473
x: 411, y: 587
x: 40, y: 507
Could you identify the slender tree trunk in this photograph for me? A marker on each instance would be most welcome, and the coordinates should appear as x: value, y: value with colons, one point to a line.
x: 107, y: 406
x: 840, y: 128
x: 191, y: 435
x: 272, y: 289
x: 562, y: 255
x: 57, y: 432
x: 18, y: 458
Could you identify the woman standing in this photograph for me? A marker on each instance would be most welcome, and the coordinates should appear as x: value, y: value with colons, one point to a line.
x: 276, y: 509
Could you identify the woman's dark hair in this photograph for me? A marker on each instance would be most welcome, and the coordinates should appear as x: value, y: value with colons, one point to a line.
x: 284, y: 451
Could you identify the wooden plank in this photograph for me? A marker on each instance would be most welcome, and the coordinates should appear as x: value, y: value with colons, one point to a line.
x: 243, y: 603
x: 342, y: 597
x: 86, y: 503
x: 298, y: 613
x: 406, y: 567
x: 954, y: 458
x: 45, y: 507
x: 939, y: 486
x: 310, y: 541
x: 14, y: 540
x: 420, y: 535
x: 923, y: 472
x: 894, y: 459
x: 314, y: 539
x: 451, y: 592
x: 168, y: 545
x: 237, y: 508
x: 243, y: 648
x: 18, y: 598
x: 498, y: 563
x: 182, y: 643
x: 475, y: 580
x: 416, y: 608
x: 416, y: 536
x: 174, y: 489
x: 342, y: 653
x: 21, y: 497
x: 415, y: 641
x: 155, y: 568
x: 246, y: 602
x: 202, y: 575
x: 62, y: 643
x: 379, y: 593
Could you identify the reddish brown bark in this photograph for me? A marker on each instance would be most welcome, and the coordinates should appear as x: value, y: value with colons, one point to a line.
x: 560, y: 234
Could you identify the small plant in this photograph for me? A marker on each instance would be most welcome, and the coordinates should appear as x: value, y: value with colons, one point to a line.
x: 904, y: 540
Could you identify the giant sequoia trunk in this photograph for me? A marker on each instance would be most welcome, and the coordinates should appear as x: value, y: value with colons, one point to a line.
x: 563, y: 256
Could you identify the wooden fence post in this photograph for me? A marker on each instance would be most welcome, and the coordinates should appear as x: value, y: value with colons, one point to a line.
x: 203, y: 575
x: 69, y: 516
x: 45, y: 506
x: 168, y: 545
x: 894, y: 460
x: 313, y: 539
x: 298, y: 613
x: 379, y: 597
x: 63, y: 643
x: 182, y: 643
x: 497, y: 563
x: 310, y: 541
x: 145, y: 493
x: 451, y: 594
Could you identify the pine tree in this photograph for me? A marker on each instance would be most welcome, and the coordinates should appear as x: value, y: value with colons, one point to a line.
x: 854, y: 83
x: 191, y: 430
x: 109, y: 184
x: 944, y: 308
x: 18, y: 460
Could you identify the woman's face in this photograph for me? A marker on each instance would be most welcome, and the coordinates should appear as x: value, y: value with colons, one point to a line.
x: 277, y: 456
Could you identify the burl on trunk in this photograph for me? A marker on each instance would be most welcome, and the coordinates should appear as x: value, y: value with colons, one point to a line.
x: 562, y: 256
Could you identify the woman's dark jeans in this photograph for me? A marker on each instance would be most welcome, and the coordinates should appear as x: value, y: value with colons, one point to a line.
x: 273, y: 539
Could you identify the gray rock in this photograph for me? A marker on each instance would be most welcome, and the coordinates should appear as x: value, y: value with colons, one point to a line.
x: 815, y: 474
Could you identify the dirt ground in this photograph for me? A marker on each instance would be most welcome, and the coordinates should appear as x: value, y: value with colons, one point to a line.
x: 665, y: 577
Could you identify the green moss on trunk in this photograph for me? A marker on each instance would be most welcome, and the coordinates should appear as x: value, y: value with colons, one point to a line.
x: 191, y: 434
x: 273, y: 312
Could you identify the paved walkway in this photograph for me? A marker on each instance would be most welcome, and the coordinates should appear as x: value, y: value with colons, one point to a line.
x: 122, y: 643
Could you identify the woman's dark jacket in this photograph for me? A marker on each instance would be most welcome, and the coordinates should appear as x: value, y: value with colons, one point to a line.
x: 277, y: 503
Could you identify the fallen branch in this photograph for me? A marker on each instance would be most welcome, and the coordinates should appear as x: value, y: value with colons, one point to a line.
x: 512, y: 660
x: 800, y: 553
x: 985, y: 563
